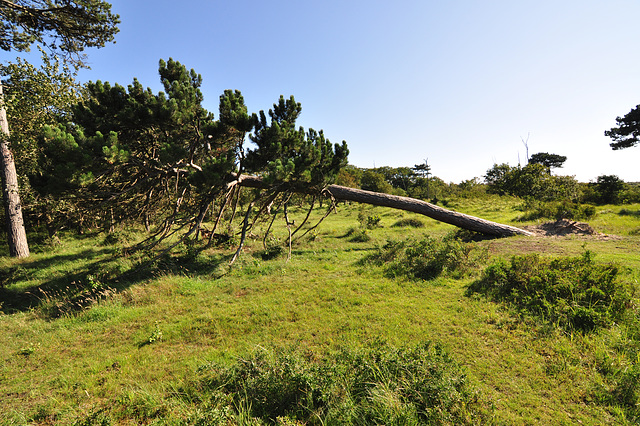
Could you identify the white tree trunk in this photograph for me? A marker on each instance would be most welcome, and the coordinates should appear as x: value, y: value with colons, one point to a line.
x: 16, y: 234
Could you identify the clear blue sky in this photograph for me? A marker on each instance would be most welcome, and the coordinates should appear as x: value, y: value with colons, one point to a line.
x: 460, y: 82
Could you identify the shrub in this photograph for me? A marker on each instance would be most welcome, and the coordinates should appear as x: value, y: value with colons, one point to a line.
x: 426, y: 259
x: 369, y: 222
x: 411, y: 222
x: 377, y: 385
x: 575, y: 293
x: 557, y: 210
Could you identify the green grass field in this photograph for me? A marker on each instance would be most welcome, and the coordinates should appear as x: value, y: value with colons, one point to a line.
x: 91, y: 335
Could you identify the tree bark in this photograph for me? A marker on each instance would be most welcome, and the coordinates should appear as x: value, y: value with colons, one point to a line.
x: 461, y: 220
x: 16, y: 234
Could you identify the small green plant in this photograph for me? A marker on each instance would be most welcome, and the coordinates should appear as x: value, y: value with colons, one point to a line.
x: 156, y: 335
x: 28, y: 350
x: 369, y: 221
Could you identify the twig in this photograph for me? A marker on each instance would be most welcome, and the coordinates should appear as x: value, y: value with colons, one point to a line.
x: 245, y: 226
x: 286, y: 218
x: 313, y: 203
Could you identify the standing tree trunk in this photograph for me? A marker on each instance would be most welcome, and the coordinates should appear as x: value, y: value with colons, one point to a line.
x: 16, y: 234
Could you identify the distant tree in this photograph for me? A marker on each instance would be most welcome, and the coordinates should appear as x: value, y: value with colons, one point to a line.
x: 424, y: 170
x: 498, y: 179
x: 609, y: 188
x: 627, y: 134
x: 66, y: 27
x: 532, y: 180
x: 373, y: 181
x: 548, y: 160
x: 349, y: 176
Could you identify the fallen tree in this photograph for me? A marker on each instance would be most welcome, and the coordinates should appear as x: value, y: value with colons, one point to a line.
x: 461, y: 220
x: 451, y: 217
x: 164, y: 161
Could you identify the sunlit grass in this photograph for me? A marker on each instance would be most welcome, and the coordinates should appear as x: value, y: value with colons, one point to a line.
x: 128, y: 354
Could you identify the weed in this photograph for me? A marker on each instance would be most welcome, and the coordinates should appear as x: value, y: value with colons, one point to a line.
x: 28, y: 350
x: 360, y: 236
x: 156, y: 335
x: 369, y: 221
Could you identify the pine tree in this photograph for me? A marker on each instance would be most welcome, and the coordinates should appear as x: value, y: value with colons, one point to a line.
x: 66, y: 27
x: 627, y: 134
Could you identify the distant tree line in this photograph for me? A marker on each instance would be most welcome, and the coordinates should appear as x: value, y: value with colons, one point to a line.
x: 535, y: 181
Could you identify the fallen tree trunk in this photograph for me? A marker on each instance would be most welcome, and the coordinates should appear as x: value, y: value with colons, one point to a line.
x: 461, y: 220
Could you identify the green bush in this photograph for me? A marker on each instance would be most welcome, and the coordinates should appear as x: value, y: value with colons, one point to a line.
x: 557, y: 210
x: 575, y: 293
x: 411, y: 223
x: 369, y: 221
x: 428, y: 258
x: 377, y: 385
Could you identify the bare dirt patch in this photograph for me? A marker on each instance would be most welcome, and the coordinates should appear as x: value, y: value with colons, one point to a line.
x: 565, y: 227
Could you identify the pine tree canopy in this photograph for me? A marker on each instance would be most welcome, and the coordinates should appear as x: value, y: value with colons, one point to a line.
x: 162, y: 157
x: 627, y: 134
x: 68, y: 26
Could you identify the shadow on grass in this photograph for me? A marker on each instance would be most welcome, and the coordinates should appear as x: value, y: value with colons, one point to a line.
x: 627, y: 212
x: 101, y: 275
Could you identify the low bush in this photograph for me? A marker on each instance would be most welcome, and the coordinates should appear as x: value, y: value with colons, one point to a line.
x: 575, y: 293
x: 409, y: 223
x: 377, y: 385
x: 557, y: 210
x: 369, y: 221
x: 427, y: 258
